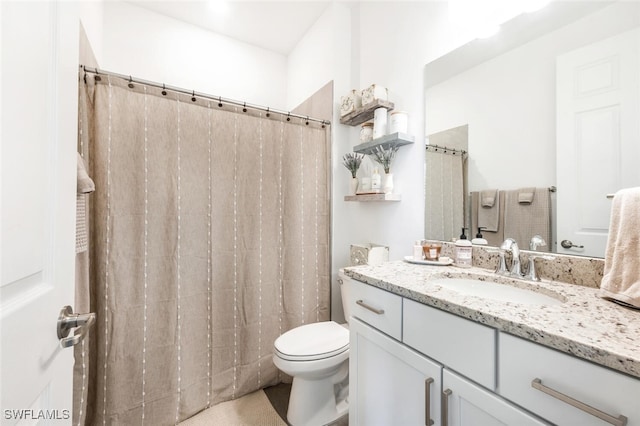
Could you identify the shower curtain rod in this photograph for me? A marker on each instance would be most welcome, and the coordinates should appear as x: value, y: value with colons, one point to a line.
x: 195, y: 94
x: 445, y: 150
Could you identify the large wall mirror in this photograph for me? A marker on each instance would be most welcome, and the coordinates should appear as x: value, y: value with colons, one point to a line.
x: 549, y: 107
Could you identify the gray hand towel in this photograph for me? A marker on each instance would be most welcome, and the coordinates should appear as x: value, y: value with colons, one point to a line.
x: 489, y: 216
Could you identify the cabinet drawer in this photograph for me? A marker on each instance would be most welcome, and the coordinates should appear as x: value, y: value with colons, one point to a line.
x: 377, y: 307
x: 462, y: 345
x: 610, y: 393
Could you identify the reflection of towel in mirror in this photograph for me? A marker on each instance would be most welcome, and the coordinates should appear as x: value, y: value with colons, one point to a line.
x: 494, y: 238
x: 621, y: 280
x: 488, y: 197
x: 523, y: 221
x: 489, y: 210
x: 525, y: 195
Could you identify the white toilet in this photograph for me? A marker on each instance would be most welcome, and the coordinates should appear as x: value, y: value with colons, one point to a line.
x: 317, y: 357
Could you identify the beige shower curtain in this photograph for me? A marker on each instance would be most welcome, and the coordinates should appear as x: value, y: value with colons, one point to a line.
x: 444, y: 195
x: 209, y: 239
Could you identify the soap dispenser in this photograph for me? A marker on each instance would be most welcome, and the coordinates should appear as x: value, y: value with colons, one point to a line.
x: 464, y: 251
x: 479, y: 240
x: 376, y: 180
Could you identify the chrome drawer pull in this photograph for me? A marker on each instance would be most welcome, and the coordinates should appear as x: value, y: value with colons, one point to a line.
x: 371, y: 308
x: 445, y: 406
x: 618, y: 421
x: 427, y: 402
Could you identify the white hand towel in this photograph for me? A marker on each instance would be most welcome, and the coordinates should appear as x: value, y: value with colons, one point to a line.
x: 621, y: 280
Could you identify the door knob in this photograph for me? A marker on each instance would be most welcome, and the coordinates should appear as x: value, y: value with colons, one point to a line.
x: 67, y: 321
x: 568, y: 244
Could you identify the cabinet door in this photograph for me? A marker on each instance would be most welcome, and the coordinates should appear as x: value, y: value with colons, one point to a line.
x: 390, y: 384
x: 465, y: 403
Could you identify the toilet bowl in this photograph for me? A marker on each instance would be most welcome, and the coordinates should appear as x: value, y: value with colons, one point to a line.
x: 317, y: 357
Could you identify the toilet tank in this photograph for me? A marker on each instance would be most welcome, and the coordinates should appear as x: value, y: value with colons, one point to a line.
x: 345, y: 292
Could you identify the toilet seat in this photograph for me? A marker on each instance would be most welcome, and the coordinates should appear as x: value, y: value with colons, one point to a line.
x: 313, y: 341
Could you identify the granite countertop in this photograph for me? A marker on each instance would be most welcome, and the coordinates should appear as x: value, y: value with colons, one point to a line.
x: 584, y: 325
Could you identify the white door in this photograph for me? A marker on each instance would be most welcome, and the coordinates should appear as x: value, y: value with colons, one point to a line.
x: 467, y: 404
x: 390, y: 384
x: 38, y: 128
x: 598, y: 137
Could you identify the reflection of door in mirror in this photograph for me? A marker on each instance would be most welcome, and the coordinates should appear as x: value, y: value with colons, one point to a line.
x: 446, y: 183
x: 597, y: 140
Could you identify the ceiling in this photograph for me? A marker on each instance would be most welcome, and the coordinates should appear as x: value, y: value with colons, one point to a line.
x: 272, y: 25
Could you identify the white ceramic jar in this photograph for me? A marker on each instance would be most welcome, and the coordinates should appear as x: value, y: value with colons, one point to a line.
x: 379, y: 122
x: 366, y: 132
x: 398, y: 122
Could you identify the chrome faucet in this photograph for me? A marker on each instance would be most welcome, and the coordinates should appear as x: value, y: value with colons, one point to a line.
x: 536, y: 241
x: 510, y: 245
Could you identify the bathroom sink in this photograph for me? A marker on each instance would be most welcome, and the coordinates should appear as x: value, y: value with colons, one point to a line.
x: 496, y: 291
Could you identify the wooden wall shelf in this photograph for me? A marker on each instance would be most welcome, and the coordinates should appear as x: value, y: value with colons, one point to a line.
x: 373, y: 197
x: 365, y: 113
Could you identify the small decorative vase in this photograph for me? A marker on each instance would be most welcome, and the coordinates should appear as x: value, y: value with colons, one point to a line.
x: 353, y: 186
x: 388, y: 183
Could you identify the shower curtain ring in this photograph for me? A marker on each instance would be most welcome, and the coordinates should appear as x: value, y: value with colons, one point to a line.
x: 220, y: 101
x: 164, y: 90
x: 130, y: 83
x: 307, y: 122
x: 289, y: 116
x: 193, y: 96
x: 244, y: 107
x: 268, y: 114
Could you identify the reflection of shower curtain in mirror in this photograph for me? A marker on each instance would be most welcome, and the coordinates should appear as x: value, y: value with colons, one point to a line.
x: 444, y: 195
x: 209, y: 239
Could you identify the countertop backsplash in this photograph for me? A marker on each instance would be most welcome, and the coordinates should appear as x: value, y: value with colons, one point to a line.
x: 578, y: 270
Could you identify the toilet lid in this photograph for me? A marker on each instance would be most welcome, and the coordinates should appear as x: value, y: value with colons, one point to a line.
x: 313, y: 341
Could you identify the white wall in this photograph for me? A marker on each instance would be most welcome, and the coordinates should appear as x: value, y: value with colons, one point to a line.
x: 396, y: 40
x: 154, y: 47
x: 357, y: 44
x: 325, y: 54
x: 91, y: 17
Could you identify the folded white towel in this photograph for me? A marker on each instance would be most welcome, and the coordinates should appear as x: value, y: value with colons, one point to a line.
x: 621, y: 280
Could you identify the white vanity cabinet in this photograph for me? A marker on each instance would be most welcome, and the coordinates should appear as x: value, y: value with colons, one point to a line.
x: 390, y: 384
x: 404, y: 353
x: 564, y: 389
